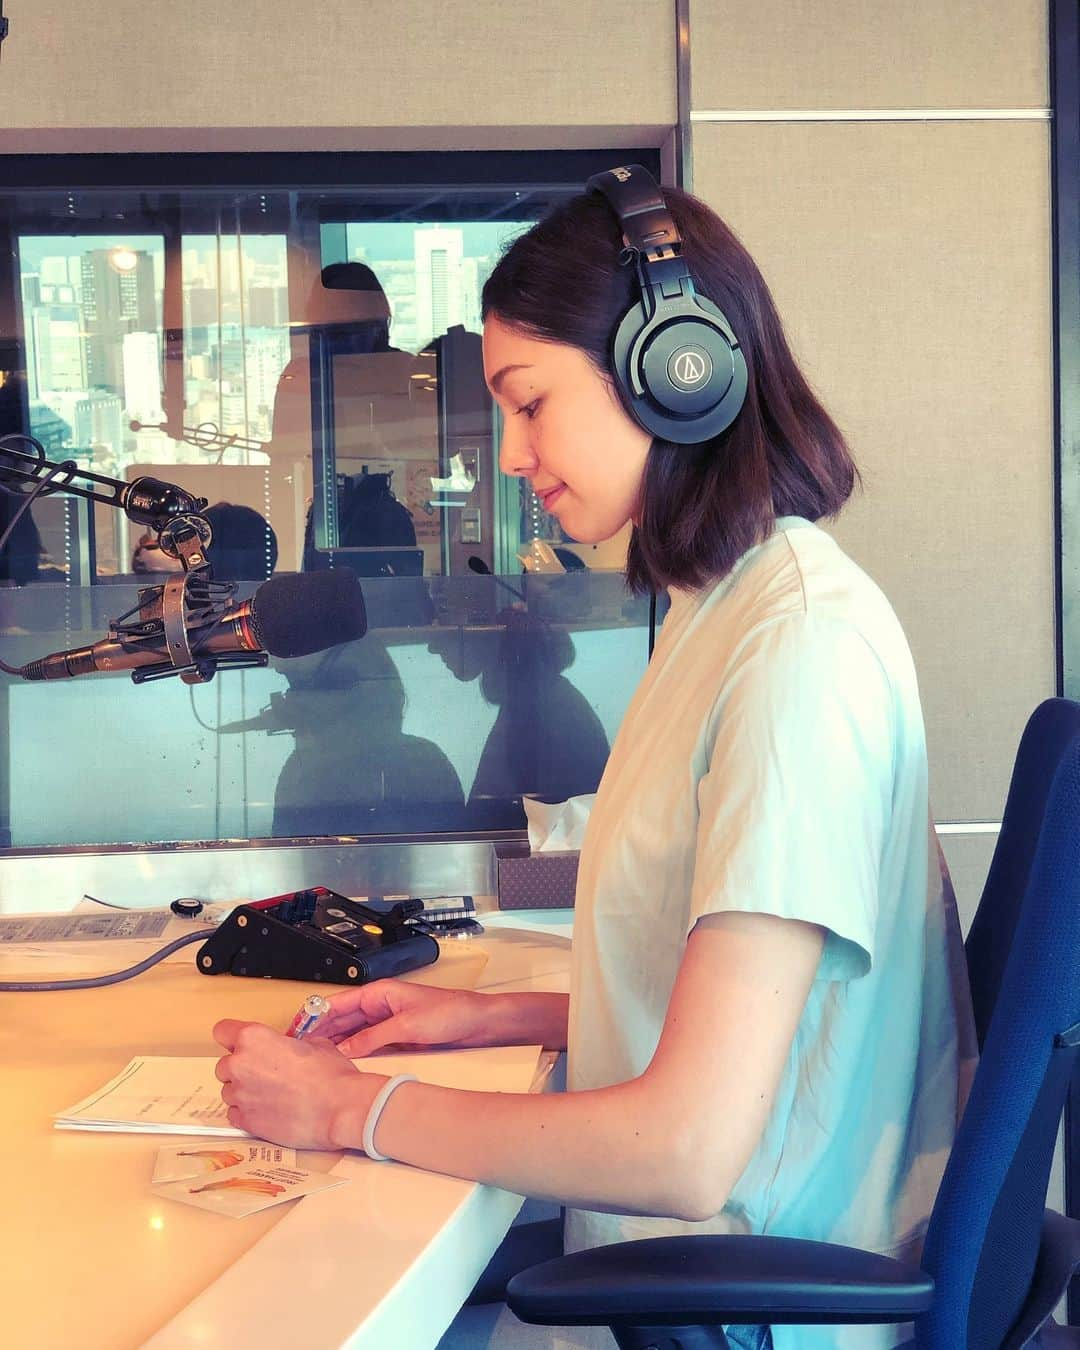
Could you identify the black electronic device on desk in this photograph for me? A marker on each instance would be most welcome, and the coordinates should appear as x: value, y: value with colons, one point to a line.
x: 318, y: 935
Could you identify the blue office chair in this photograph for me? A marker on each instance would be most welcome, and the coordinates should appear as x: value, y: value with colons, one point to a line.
x: 1046, y: 737
x: 995, y: 1264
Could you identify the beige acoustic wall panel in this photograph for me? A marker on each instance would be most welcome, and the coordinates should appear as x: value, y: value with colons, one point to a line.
x: 911, y: 264
x: 968, y: 857
x: 221, y: 74
x: 849, y: 54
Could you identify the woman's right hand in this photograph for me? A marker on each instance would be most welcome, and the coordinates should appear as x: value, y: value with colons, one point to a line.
x: 399, y: 1013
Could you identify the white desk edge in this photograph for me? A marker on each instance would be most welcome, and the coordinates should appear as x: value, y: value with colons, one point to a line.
x: 435, y: 1236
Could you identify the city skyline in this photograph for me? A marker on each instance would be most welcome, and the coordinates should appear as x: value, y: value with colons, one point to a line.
x: 92, y: 309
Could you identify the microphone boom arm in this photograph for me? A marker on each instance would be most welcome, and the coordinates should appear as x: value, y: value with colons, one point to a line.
x: 186, y: 601
x: 146, y: 501
x: 206, y: 436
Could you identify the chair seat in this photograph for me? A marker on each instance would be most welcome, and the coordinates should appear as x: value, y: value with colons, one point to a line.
x: 712, y: 1280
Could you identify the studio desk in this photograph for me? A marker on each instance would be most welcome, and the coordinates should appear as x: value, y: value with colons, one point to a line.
x: 90, y: 1256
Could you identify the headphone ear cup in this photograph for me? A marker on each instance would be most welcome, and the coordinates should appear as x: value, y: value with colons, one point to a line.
x: 621, y: 344
x: 684, y: 380
x: 687, y: 366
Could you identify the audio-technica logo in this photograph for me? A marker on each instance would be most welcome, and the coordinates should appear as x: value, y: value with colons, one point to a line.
x: 623, y: 175
x: 689, y: 368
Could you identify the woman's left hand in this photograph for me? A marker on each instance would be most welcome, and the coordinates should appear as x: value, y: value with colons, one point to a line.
x: 285, y: 1090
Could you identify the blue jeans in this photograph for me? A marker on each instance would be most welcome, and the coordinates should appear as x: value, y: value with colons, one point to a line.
x: 749, y: 1338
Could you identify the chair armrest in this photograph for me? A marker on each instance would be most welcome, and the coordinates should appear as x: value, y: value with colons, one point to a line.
x: 710, y: 1280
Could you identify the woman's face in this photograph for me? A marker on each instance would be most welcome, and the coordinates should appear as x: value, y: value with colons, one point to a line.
x: 565, y: 430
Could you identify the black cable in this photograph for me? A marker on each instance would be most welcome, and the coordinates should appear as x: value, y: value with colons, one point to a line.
x: 96, y: 982
x: 194, y: 712
x: 108, y: 904
x: 39, y: 449
x: 69, y: 466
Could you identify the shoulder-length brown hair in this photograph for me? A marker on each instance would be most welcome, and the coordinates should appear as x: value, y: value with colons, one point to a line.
x: 702, y: 506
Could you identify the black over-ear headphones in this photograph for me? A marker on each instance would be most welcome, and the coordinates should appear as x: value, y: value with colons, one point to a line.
x: 678, y: 364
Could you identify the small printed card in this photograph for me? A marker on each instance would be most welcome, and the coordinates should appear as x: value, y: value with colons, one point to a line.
x: 197, y: 1158
x: 247, y: 1188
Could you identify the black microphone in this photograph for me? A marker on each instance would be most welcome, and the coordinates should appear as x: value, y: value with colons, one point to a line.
x: 149, y: 501
x: 289, y: 615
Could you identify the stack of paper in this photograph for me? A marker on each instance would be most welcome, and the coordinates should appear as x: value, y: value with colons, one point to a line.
x: 156, y: 1094
x: 160, y: 1094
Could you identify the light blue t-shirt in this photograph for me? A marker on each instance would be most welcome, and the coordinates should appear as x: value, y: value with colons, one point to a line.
x: 773, y: 760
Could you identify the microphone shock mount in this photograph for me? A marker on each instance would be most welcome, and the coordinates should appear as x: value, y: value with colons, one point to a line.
x: 171, y: 615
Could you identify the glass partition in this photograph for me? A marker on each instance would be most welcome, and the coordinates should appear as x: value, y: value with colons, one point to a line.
x: 307, y: 358
x: 464, y: 695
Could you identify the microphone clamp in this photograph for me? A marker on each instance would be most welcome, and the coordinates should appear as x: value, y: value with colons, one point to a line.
x: 190, y: 602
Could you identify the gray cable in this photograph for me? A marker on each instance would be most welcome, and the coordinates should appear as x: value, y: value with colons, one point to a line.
x: 96, y: 982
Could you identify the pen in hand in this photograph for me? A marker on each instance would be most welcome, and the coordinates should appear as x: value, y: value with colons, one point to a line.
x: 313, y: 1010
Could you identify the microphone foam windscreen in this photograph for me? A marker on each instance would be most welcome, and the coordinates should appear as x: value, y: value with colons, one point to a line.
x: 295, y: 615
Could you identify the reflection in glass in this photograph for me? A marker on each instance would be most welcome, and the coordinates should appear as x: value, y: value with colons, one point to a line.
x: 441, y: 725
x: 279, y: 352
x: 352, y: 769
x: 222, y: 340
x: 546, y: 741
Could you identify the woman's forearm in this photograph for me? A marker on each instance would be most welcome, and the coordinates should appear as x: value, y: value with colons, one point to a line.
x: 621, y: 1149
x: 530, y: 1019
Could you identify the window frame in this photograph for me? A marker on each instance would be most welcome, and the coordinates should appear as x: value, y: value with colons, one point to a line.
x: 1065, y: 188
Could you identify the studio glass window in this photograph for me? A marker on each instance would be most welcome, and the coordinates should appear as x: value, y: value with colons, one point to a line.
x: 296, y: 339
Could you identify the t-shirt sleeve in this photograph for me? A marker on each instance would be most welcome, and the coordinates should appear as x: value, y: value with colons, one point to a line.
x: 794, y: 804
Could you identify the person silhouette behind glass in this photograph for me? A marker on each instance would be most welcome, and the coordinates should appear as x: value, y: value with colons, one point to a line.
x: 520, y: 666
x: 244, y: 546
x: 353, y: 770
x: 347, y: 317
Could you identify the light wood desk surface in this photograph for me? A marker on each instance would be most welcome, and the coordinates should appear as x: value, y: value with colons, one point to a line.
x: 89, y: 1256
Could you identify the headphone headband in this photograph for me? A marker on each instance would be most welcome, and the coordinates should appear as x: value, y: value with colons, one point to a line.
x: 677, y: 363
x: 634, y: 196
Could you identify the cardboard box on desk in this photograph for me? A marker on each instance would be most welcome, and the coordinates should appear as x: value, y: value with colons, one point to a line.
x: 538, y: 881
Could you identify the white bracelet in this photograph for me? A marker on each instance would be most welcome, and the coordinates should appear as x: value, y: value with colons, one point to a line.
x: 382, y: 1097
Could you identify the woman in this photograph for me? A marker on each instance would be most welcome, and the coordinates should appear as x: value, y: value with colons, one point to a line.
x: 763, y: 1027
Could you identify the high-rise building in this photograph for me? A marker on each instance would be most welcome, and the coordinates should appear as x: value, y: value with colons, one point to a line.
x: 119, y: 295
x: 438, y: 254
x: 31, y: 291
x: 201, y: 306
x: 470, y: 292
x: 99, y: 425
x: 50, y: 429
x: 268, y: 307
x: 234, y: 410
x: 398, y: 279
x: 266, y: 356
x: 58, y: 353
x: 142, y: 377
x: 55, y: 271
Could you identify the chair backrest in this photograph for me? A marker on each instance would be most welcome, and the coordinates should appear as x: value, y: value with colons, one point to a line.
x: 1047, y: 735
x: 984, y: 1233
